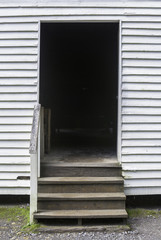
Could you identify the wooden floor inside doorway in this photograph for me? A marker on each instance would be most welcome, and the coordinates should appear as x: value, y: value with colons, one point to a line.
x: 82, y: 147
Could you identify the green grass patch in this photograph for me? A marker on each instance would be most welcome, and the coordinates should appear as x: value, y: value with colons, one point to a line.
x: 141, y: 212
x: 30, y: 227
x: 19, y: 215
x: 15, y: 213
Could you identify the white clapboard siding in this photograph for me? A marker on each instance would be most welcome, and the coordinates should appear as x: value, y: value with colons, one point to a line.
x: 141, y: 55
x: 141, y: 110
x: 14, y: 144
x: 141, y: 158
x: 142, y: 174
x: 142, y: 48
x: 18, y: 96
x: 18, y: 43
x: 149, y: 190
x: 15, y: 112
x: 141, y: 32
x: 14, y: 152
x: 15, y: 128
x: 13, y: 183
x: 141, y: 102
x: 17, y: 89
x: 16, y: 120
x: 13, y: 176
x: 18, y: 58
x: 18, y: 73
x: 22, y: 81
x: 16, y: 160
x: 18, y: 50
x: 59, y: 12
x: 141, y: 105
x: 145, y: 18
x: 141, y: 143
x: 14, y: 136
x: 32, y: 19
x: 141, y: 78
x: 141, y: 150
x: 141, y: 71
x: 142, y: 86
x: 141, y: 119
x: 19, y: 27
x: 17, y: 105
x: 141, y: 134
x: 84, y: 4
x: 136, y: 166
x: 19, y: 35
x: 19, y: 66
x: 141, y: 39
x: 15, y: 167
x: 140, y: 95
x: 141, y: 25
x: 15, y: 191
x: 142, y: 183
x: 142, y: 127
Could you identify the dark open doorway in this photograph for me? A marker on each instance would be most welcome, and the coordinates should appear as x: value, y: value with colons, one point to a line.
x: 79, y: 83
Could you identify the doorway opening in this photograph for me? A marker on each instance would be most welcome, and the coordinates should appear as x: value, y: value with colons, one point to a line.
x: 79, y: 83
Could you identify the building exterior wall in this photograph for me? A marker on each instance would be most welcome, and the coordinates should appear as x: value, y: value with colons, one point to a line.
x: 140, y: 85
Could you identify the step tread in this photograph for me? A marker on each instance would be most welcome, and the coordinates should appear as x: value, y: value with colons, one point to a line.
x: 82, y: 180
x: 82, y: 196
x: 112, y: 213
x: 114, y: 164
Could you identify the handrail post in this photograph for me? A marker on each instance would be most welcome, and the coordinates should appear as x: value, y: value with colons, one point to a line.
x: 34, y: 161
x: 33, y: 185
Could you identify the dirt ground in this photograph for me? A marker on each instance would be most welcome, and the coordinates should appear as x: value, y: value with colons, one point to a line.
x: 143, y: 224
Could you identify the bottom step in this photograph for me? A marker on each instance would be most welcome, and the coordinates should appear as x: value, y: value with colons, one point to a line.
x: 112, y: 213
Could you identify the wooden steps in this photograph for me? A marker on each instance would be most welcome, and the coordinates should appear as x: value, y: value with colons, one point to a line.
x: 81, y: 196
x: 67, y: 201
x: 79, y: 169
x: 77, y: 180
x: 80, y: 184
x: 118, y: 213
x: 81, y: 190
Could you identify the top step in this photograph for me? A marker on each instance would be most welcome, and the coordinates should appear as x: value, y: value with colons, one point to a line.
x: 110, y: 164
x: 78, y: 169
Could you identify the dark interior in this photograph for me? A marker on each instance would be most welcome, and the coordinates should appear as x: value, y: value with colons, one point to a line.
x: 79, y: 80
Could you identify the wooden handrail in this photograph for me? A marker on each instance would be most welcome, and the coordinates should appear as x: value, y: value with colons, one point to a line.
x: 35, y: 129
x: 33, y: 149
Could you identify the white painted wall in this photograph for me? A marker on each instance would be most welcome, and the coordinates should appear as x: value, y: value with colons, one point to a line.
x: 141, y: 85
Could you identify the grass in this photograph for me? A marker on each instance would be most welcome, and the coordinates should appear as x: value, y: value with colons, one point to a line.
x: 19, y: 215
x: 141, y: 212
x: 14, y: 213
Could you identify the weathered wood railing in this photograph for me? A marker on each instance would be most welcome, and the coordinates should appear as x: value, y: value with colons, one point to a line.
x: 34, y: 160
x: 45, y: 131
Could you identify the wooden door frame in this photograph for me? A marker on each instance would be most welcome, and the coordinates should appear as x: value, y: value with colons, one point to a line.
x: 119, y: 119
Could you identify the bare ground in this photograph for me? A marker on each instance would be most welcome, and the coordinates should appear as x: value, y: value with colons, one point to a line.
x: 145, y: 226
